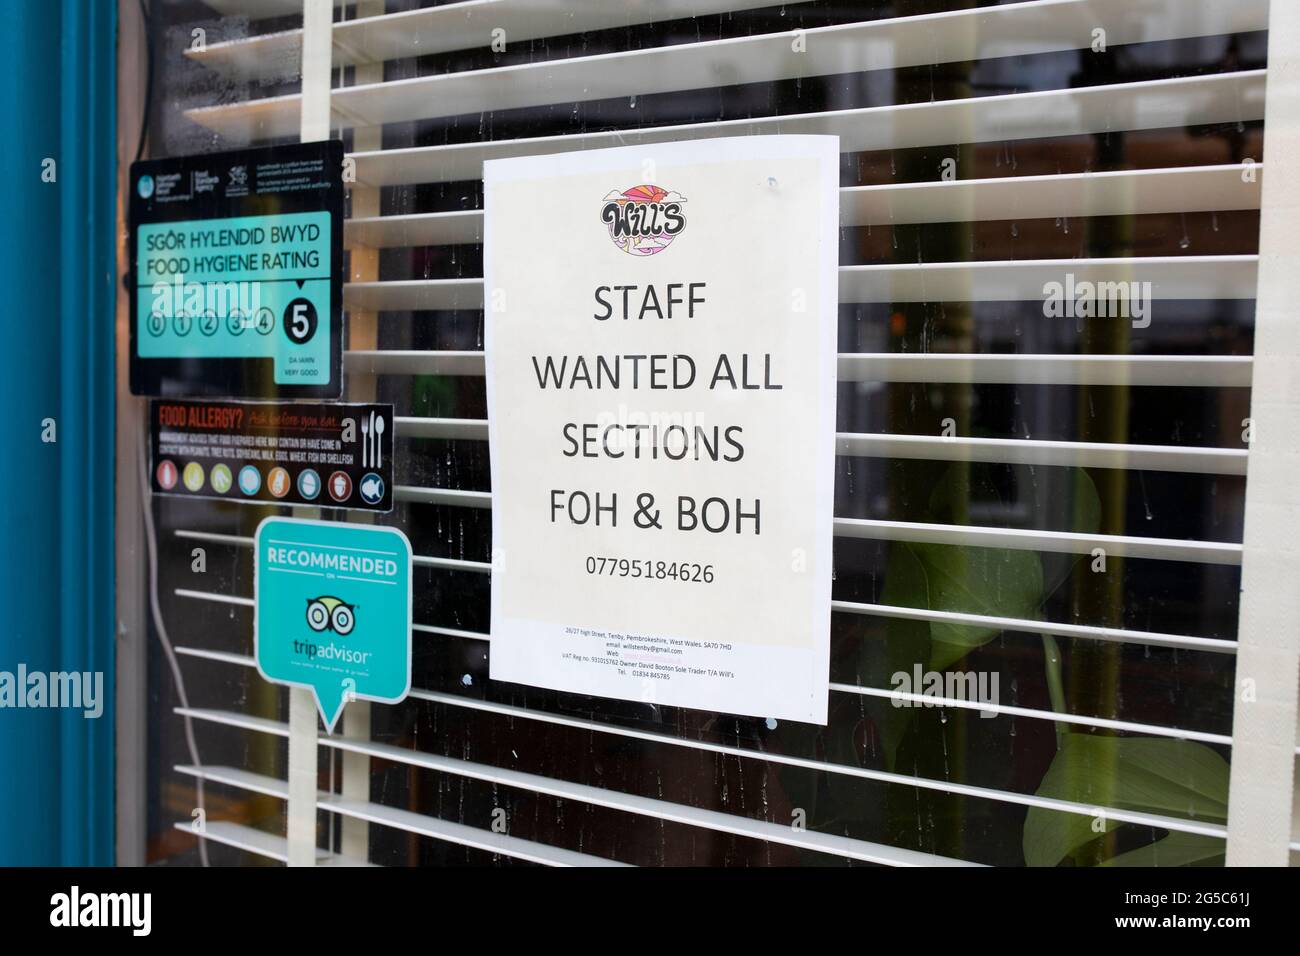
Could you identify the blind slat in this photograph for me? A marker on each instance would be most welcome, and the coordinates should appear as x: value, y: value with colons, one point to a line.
x: 1187, y: 459
x: 1013, y: 29
x: 1150, y: 104
x: 1211, y: 371
x: 241, y: 837
x: 1072, y: 454
x: 1036, y: 539
x: 921, y: 532
x: 713, y: 820
x: 443, y: 29
x: 1116, y: 635
x: 451, y: 765
x: 1171, y: 277
x: 447, y: 831
x: 443, y: 830
x: 991, y: 708
x: 1030, y: 713
x: 1125, y: 192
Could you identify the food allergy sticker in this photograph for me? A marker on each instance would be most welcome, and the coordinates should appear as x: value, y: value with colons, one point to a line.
x: 333, y: 611
x: 236, y: 273
x: 293, y: 453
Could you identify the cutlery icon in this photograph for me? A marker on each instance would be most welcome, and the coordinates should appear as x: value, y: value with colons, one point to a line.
x: 365, y: 442
x: 379, y: 441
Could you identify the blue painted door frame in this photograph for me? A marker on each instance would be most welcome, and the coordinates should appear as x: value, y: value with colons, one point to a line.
x: 57, y: 240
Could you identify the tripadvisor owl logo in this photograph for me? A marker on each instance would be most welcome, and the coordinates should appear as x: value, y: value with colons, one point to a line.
x: 643, y: 220
x: 331, y: 614
x: 327, y: 613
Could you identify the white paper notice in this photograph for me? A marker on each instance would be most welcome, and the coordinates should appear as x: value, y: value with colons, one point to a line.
x: 661, y: 405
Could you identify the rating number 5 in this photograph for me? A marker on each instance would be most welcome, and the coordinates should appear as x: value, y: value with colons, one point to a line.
x: 300, y: 321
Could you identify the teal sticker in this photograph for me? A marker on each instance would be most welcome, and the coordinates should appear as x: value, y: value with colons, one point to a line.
x: 243, y: 287
x: 333, y: 611
x: 237, y: 273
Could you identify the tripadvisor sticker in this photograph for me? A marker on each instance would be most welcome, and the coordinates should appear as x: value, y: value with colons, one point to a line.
x: 333, y: 611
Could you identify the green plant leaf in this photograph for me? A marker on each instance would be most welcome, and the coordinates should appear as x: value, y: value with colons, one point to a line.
x: 1177, y: 849
x: 1151, y: 774
x: 906, y: 643
x: 1085, y: 504
x: 989, y: 581
x: 1083, y: 516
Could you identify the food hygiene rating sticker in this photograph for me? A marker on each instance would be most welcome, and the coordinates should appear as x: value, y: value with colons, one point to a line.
x: 293, y: 453
x: 333, y: 611
x: 237, y: 273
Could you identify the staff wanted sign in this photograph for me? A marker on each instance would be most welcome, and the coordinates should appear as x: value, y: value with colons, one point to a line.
x: 661, y: 395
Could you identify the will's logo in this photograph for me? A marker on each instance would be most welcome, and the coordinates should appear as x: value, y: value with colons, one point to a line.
x: 643, y: 220
x: 331, y: 614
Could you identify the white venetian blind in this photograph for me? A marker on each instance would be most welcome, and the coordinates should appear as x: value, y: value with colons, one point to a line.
x: 1032, y: 102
